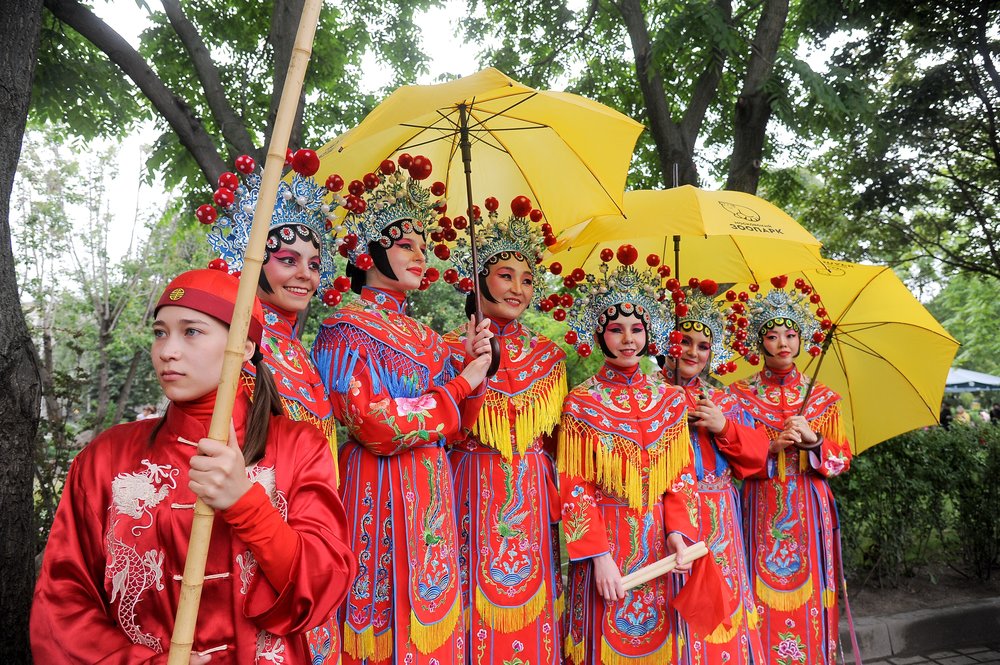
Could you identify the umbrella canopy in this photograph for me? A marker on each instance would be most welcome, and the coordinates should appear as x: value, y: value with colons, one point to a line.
x: 966, y: 381
x: 728, y: 236
x: 888, y: 358
x: 569, y: 154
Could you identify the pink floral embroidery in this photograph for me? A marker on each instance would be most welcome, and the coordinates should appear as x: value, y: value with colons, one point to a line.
x: 418, y: 405
x: 834, y: 464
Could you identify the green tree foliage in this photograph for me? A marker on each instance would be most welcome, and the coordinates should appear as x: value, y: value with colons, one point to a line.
x: 969, y: 308
x: 916, y: 174
x: 705, y: 77
x: 210, y: 73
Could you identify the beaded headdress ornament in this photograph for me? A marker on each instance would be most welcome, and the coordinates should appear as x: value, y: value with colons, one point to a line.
x: 519, y: 235
x: 300, y: 209
x: 377, y: 201
x: 637, y: 291
x: 698, y: 309
x: 750, y: 317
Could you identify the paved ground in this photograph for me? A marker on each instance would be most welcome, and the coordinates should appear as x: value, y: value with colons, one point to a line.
x: 965, y: 656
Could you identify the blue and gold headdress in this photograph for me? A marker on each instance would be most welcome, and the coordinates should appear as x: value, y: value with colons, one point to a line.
x: 519, y: 235
x: 700, y: 310
x: 751, y: 316
x: 636, y: 291
x: 302, y: 206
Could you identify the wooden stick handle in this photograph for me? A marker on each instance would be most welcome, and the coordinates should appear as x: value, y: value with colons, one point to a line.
x: 663, y: 566
x: 182, y: 639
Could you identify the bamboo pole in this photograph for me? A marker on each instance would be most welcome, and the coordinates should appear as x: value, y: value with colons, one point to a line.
x: 663, y: 566
x: 182, y: 639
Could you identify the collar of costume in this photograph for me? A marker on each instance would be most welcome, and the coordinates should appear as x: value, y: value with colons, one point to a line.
x: 641, y: 293
x: 380, y: 200
x: 780, y: 377
x: 278, y: 320
x: 505, y: 326
x: 192, y: 419
x: 518, y: 236
x: 626, y: 433
x: 301, y: 206
x: 623, y: 376
x: 524, y: 399
x: 385, y: 298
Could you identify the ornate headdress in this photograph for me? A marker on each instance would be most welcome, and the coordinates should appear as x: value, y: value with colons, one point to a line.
x: 750, y: 316
x: 637, y: 291
x: 698, y: 309
x: 376, y: 202
x: 519, y: 235
x: 300, y: 205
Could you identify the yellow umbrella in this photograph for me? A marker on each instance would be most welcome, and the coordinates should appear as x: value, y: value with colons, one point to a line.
x: 728, y: 236
x: 887, y: 356
x: 569, y: 154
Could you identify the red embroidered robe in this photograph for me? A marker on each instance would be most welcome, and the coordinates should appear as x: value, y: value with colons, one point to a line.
x: 627, y: 481
x: 303, y: 398
x: 392, y: 383
x: 790, y: 520
x: 508, y: 503
x: 111, y: 578
x: 740, y: 451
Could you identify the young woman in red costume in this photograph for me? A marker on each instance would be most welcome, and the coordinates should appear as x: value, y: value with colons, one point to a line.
x: 504, y: 474
x: 790, y: 518
x: 402, y: 397
x: 626, y: 474
x: 726, y: 446
x: 278, y: 559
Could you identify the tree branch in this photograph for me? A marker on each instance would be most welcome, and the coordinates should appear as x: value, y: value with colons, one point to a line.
x: 233, y: 128
x: 557, y: 51
x: 284, y: 24
x: 753, y: 107
x: 707, y: 85
x: 175, y: 110
x: 671, y: 148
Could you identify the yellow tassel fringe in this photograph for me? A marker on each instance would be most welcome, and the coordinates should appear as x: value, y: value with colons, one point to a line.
x: 721, y: 634
x: 560, y: 604
x: 829, y: 598
x: 784, y: 601
x: 574, y: 653
x: 615, y: 463
x: 366, y: 645
x: 537, y: 412
x: 611, y: 657
x: 510, y: 619
x: 428, y: 638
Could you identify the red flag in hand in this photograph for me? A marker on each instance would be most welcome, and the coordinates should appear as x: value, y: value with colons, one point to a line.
x: 705, y: 601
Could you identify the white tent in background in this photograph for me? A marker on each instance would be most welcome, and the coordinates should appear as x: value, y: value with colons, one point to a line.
x: 967, y: 381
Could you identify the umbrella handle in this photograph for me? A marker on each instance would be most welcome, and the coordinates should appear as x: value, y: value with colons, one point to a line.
x: 819, y: 365
x: 466, y: 146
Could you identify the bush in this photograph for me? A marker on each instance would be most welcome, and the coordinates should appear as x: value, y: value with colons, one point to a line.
x: 920, y: 495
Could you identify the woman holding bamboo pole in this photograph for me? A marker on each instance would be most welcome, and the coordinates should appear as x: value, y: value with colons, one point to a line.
x: 298, y: 265
x: 726, y: 446
x: 626, y: 474
x: 508, y: 507
x: 113, y: 567
x: 402, y: 396
x: 790, y: 518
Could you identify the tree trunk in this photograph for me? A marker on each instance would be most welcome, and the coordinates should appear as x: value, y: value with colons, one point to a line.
x: 20, y: 24
x: 126, y: 389
x: 671, y: 147
x: 753, y: 107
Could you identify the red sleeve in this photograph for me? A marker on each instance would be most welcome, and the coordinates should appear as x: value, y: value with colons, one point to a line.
x: 833, y: 456
x: 259, y: 525
x: 69, y: 616
x: 744, y: 447
x: 384, y: 424
x: 322, y: 567
x: 582, y: 520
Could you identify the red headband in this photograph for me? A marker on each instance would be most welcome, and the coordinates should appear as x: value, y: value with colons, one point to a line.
x: 211, y: 292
